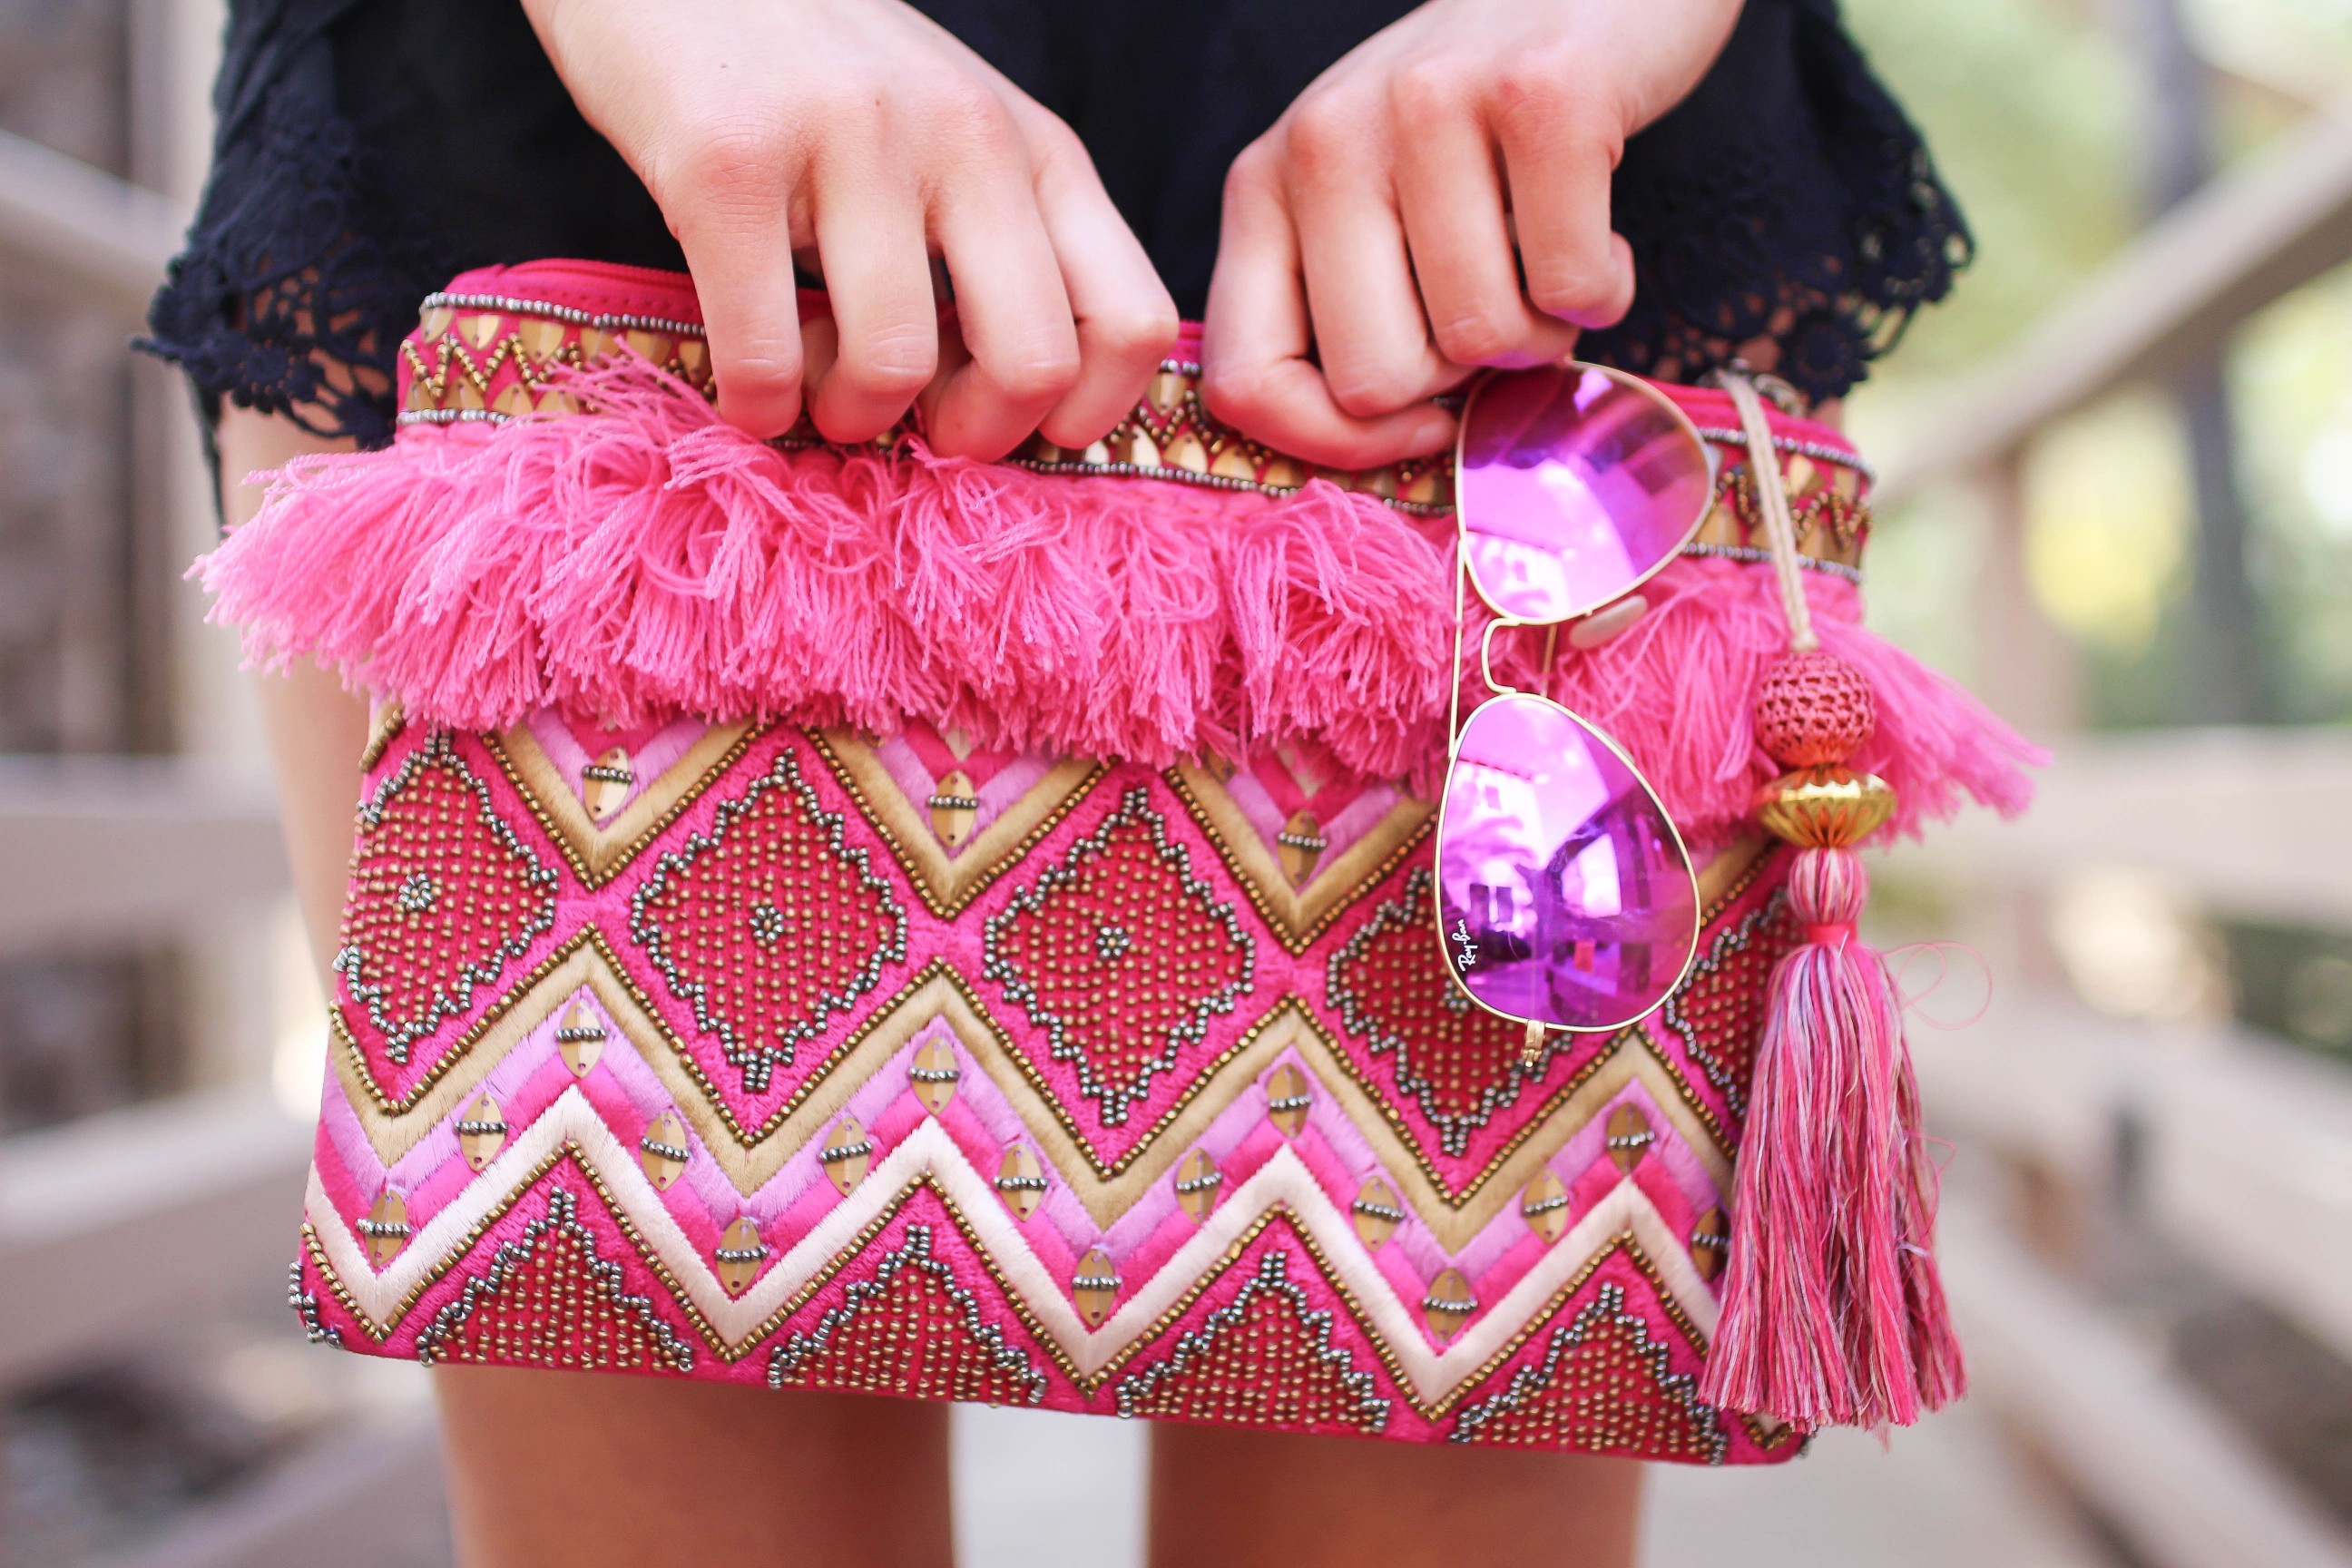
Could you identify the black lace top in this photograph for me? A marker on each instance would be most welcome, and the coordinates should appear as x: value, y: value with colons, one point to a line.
x: 368, y: 150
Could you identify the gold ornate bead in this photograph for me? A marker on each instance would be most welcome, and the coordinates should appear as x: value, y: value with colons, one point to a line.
x: 1825, y: 807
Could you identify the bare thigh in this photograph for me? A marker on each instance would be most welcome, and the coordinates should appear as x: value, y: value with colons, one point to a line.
x: 1224, y: 1497
x: 581, y: 1469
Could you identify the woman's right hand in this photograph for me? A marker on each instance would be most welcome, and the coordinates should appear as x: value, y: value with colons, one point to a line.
x: 862, y: 137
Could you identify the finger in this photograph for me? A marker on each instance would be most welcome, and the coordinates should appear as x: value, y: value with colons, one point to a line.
x: 730, y: 207
x: 1449, y: 193
x: 1013, y: 312
x: 1559, y: 170
x: 1256, y: 374
x: 1370, y: 334
x: 1127, y: 324
x: 869, y: 237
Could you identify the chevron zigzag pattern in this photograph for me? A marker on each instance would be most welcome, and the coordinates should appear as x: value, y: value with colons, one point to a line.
x: 897, y: 1065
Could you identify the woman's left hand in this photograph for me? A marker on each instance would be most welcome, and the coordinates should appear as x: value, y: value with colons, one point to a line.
x: 1437, y: 201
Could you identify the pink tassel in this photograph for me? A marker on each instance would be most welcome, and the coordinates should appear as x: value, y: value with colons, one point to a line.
x: 1833, y: 1313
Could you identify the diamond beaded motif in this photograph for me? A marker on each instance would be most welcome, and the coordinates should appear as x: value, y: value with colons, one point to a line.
x: 1120, y: 956
x: 443, y: 897
x: 908, y: 1328
x: 767, y: 924
x: 1460, y: 1063
x: 1720, y: 1011
x: 1603, y: 1386
x: 1264, y: 1359
x: 548, y: 1299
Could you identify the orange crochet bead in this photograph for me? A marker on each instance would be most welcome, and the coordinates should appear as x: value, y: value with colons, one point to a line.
x: 1814, y: 709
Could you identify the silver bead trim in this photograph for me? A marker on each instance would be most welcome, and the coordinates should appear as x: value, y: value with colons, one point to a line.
x: 513, y: 307
x: 1820, y: 451
x: 579, y: 1034
x: 953, y: 802
x: 1289, y: 1102
x: 1095, y: 1282
x: 1020, y: 1184
x: 604, y: 773
x: 1207, y: 1182
x: 1441, y: 1304
x: 738, y: 1253
x: 1749, y: 552
x: 373, y: 1229
x: 1389, y: 1212
x: 666, y: 1151
x: 935, y: 1075
x: 305, y: 1307
x: 1543, y: 1205
x: 471, y: 1128
x: 1304, y: 841
x: 845, y: 1152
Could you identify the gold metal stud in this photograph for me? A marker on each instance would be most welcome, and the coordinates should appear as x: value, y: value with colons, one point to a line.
x: 1299, y: 847
x: 955, y: 808
x: 847, y: 1154
x: 934, y: 1074
x: 1376, y: 1213
x: 1628, y: 1136
x: 1095, y: 1287
x: 542, y: 338
x: 1544, y: 1205
x: 738, y: 1257
x: 1021, y: 1181
x: 663, y: 1152
x: 1710, y: 1244
x: 1287, y: 1095
x: 1197, y: 1181
x: 1282, y: 473
x: 481, y: 1133
x: 579, y: 1039
x: 1232, y: 462
x: 385, y: 1227
x: 1186, y: 452
x: 604, y: 785
x: 1448, y: 1305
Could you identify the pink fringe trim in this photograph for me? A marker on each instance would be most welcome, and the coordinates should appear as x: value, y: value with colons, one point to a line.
x: 649, y: 559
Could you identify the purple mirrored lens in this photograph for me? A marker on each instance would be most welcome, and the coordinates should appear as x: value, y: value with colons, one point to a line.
x: 1572, y: 486
x: 1564, y: 896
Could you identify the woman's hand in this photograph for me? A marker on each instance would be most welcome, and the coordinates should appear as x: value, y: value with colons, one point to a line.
x: 1437, y: 201
x: 862, y: 137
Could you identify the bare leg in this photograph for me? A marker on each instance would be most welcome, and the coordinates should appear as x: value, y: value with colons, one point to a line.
x: 591, y: 1470
x: 1224, y: 1497
x: 586, y: 1470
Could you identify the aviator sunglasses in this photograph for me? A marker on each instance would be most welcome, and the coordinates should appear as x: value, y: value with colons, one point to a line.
x: 1566, y: 899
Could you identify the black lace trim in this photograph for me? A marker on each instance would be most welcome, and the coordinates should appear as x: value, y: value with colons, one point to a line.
x: 1815, y: 229
x: 1786, y: 211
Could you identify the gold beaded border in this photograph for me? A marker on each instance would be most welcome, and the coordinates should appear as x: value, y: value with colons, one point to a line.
x: 1294, y: 941
x: 590, y: 878
x: 989, y: 876
x: 450, y: 1259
